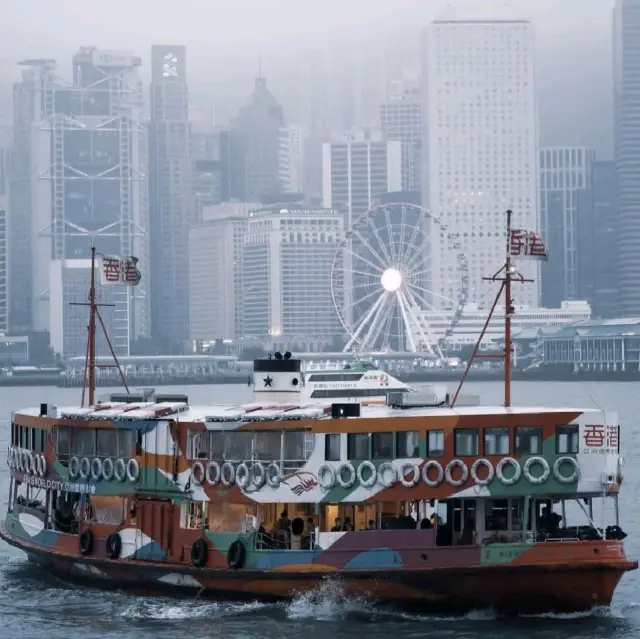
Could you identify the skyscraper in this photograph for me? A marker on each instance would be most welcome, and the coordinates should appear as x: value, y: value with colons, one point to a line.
x: 627, y: 136
x: 479, y: 149
x: 564, y: 173
x: 170, y: 202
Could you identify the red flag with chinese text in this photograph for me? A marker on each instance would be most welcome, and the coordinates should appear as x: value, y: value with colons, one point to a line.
x: 120, y: 270
x: 527, y: 245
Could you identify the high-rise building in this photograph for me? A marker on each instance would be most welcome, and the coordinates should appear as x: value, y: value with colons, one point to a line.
x: 357, y: 169
x: 170, y: 202
x: 292, y: 159
x: 401, y: 119
x: 288, y: 255
x: 215, y: 271
x: 80, y: 162
x: 480, y: 150
x: 259, y: 124
x: 598, y: 241
x: 627, y: 145
x: 564, y: 173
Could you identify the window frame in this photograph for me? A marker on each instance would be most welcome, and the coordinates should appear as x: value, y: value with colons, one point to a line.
x: 457, y: 431
x: 403, y: 436
x: 377, y: 436
x: 351, y: 437
x: 539, y: 431
x: 572, y: 429
x: 485, y: 431
x: 327, y: 438
x: 440, y: 452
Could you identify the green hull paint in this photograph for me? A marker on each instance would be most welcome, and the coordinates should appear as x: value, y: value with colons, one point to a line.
x: 502, y: 553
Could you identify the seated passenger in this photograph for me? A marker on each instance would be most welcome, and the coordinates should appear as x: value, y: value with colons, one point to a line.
x: 337, y: 527
x: 348, y: 526
x: 371, y: 525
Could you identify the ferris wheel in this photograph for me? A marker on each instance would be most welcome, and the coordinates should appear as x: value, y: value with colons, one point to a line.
x: 380, y: 282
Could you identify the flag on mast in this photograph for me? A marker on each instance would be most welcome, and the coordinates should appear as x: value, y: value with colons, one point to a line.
x: 527, y: 245
x: 120, y: 270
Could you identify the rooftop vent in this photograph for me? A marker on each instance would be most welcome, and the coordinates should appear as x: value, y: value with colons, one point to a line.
x: 172, y: 398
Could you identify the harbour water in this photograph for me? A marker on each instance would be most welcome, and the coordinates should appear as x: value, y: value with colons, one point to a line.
x: 33, y: 606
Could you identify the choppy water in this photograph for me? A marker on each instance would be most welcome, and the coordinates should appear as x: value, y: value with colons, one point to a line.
x: 33, y: 606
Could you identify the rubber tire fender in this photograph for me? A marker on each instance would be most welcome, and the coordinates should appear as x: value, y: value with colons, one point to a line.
x: 236, y: 554
x: 114, y: 545
x: 85, y: 543
x: 199, y: 552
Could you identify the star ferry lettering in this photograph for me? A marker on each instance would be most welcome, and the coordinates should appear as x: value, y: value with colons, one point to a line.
x: 52, y: 484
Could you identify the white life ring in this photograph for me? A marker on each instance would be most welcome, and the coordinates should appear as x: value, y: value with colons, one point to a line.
x: 490, y: 471
x: 107, y: 469
x: 373, y: 476
x: 197, y: 472
x: 227, y: 474
x: 133, y: 470
x: 96, y: 468
x: 258, y: 474
x: 409, y: 467
x: 10, y: 457
x: 25, y: 461
x: 212, y: 473
x: 456, y: 463
x: 42, y: 466
x: 384, y: 379
x: 85, y: 468
x: 432, y: 483
x: 517, y: 470
x: 243, y: 475
x: 346, y: 483
x: 120, y: 469
x: 274, y: 476
x: 564, y: 479
x: 545, y: 470
x: 326, y: 477
x: 387, y: 470
x: 36, y: 465
x: 31, y: 466
x: 74, y: 467
x: 19, y: 459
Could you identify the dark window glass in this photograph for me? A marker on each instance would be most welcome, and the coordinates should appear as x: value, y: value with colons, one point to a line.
x: 358, y: 446
x: 496, y: 514
x: 382, y: 446
x: 567, y: 439
x: 466, y: 442
x: 528, y: 440
x: 407, y: 444
x: 332, y: 447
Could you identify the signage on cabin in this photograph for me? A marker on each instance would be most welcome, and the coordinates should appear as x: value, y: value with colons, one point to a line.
x: 599, y: 439
x: 65, y: 486
x: 337, y: 385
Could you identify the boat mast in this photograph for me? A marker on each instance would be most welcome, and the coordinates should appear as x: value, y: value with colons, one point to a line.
x: 506, y: 275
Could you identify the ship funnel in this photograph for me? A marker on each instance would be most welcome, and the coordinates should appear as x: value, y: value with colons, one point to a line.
x: 277, y: 379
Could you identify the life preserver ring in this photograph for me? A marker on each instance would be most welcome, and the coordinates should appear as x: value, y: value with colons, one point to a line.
x: 373, y: 475
x: 258, y: 474
x: 36, y: 465
x: 236, y: 554
x: 456, y: 463
x: 31, y: 466
x: 227, y: 474
x: 386, y: 469
x: 107, y: 469
x: 384, y: 379
x: 85, y: 468
x: 197, y: 472
x: 212, y: 473
x: 564, y: 479
x: 346, y: 483
x: 517, y: 470
x: 23, y: 461
x: 113, y: 545
x: 545, y: 470
x: 274, y: 476
x: 11, y: 457
x: 85, y: 543
x: 199, y: 552
x: 120, y: 469
x: 133, y: 470
x: 490, y: 471
x: 243, y: 475
x: 96, y: 468
x: 74, y: 467
x: 415, y: 477
x: 43, y: 466
x: 432, y: 483
x: 326, y: 477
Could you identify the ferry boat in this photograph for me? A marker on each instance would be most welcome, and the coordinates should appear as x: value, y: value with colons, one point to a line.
x: 447, y: 508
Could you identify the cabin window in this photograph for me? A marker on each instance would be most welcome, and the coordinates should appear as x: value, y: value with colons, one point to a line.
x: 332, y: 447
x: 435, y: 443
x: 382, y: 446
x: 114, y: 443
x: 567, y: 439
x: 238, y: 445
x: 466, y: 442
x: 62, y: 443
x: 528, y: 440
x: 266, y: 445
x: 496, y: 441
x: 298, y: 445
x: 358, y: 446
x: 496, y: 514
x: 83, y: 442
x: 408, y: 444
x: 40, y: 444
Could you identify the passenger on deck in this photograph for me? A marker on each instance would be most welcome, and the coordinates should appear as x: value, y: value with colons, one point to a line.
x: 348, y: 526
x: 467, y: 536
x: 549, y: 521
x: 284, y: 523
x: 337, y: 526
x: 371, y: 525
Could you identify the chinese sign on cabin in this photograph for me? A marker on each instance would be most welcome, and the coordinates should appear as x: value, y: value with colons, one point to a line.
x: 527, y: 245
x: 599, y: 439
x: 120, y: 270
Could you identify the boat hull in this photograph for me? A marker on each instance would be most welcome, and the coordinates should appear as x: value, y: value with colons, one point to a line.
x: 511, y: 589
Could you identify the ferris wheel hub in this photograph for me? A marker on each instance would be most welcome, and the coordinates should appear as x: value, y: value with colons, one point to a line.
x: 391, y: 280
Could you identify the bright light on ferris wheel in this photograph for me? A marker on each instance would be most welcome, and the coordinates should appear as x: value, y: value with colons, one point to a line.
x: 391, y: 280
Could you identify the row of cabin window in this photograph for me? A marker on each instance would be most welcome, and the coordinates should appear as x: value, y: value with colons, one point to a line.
x: 34, y: 439
x: 526, y: 440
x: 95, y: 442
